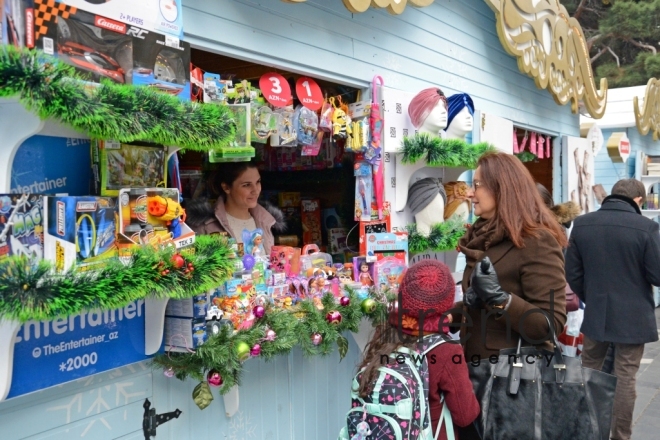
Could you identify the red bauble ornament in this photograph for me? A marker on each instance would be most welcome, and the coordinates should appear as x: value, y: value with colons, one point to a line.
x: 333, y: 317
x: 345, y: 301
x: 214, y: 379
x: 259, y: 312
x: 178, y: 261
x: 256, y: 350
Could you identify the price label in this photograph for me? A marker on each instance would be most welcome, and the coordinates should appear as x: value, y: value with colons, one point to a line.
x: 275, y: 89
x: 309, y: 93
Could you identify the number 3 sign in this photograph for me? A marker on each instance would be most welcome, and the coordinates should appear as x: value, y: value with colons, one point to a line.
x: 309, y: 93
x: 275, y: 89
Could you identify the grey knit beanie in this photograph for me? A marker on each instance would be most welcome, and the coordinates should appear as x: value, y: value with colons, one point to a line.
x: 422, y: 192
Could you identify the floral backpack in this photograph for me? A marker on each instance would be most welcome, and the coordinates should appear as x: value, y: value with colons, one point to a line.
x: 398, y: 407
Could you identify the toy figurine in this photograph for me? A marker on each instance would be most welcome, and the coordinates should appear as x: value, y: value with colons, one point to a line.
x: 341, y: 124
x: 365, y: 276
x: 167, y: 210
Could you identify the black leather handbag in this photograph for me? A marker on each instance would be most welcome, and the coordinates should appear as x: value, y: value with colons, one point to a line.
x: 532, y: 394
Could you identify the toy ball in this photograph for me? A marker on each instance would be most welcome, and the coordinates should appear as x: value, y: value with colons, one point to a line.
x: 243, y: 351
x: 168, y: 372
x: 270, y: 335
x: 256, y: 350
x: 248, y: 261
x: 368, y: 306
x: 259, y: 312
x: 345, y: 301
x: 214, y: 379
x: 333, y: 317
x: 317, y: 339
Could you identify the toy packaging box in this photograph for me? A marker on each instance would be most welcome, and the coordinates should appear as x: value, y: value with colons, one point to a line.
x: 152, y: 217
x: 363, y: 272
x: 184, y: 333
x: 387, y: 243
x: 21, y: 226
x: 311, y: 221
x: 116, y: 166
x: 388, y: 271
x: 215, y: 89
x: 372, y: 227
x: 164, y: 16
x: 285, y: 259
x: 337, y: 240
x: 188, y: 308
x: 79, y: 231
x: 17, y: 22
x: 363, y: 191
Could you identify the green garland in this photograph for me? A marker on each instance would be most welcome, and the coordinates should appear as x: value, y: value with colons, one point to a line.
x: 32, y: 292
x: 440, y: 152
x: 125, y: 113
x: 443, y: 237
x: 293, y: 327
x: 526, y: 156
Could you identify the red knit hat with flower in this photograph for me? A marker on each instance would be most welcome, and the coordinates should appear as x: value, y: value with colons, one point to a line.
x: 427, y: 287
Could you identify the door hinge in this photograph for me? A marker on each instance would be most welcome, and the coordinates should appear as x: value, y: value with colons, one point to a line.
x: 151, y: 420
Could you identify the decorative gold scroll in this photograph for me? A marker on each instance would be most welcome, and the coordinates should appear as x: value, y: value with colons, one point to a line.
x: 649, y: 117
x: 551, y: 48
x: 394, y: 7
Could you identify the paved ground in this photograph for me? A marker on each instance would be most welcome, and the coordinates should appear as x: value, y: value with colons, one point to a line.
x: 647, y: 407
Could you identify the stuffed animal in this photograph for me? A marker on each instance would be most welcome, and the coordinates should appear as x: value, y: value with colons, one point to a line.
x: 363, y: 431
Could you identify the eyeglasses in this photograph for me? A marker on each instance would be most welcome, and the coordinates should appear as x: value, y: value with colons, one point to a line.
x: 476, y: 184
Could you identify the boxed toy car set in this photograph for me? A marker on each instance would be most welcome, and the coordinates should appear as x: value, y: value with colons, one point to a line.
x: 164, y: 16
x: 21, y: 226
x: 79, y: 231
x: 17, y: 22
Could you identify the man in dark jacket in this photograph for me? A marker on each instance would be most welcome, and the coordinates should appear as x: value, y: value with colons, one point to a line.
x: 612, y: 261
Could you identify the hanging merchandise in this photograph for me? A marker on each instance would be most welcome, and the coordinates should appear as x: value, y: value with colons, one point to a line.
x: 341, y: 122
x: 374, y: 152
x: 548, y: 143
x: 325, y: 121
x: 215, y: 89
x: 306, y: 125
x: 196, y: 84
x: 540, y: 150
x: 516, y: 148
x: 363, y: 191
x: 286, y: 134
x: 315, y: 147
x: 523, y: 144
x: 532, y: 143
x: 264, y: 123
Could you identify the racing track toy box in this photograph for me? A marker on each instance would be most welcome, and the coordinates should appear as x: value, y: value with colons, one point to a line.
x: 116, y: 166
x: 17, y: 23
x: 79, y: 231
x: 164, y: 16
x: 21, y: 226
x: 151, y: 217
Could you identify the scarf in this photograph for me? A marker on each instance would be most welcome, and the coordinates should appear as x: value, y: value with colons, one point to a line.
x: 478, y: 238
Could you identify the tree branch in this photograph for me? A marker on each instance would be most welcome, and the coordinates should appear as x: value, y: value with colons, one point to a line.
x: 579, y: 9
x: 641, y: 45
x: 592, y: 40
x: 614, y: 55
x: 600, y: 52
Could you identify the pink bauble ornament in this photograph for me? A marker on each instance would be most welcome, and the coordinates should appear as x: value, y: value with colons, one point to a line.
x: 345, y: 301
x: 259, y: 312
x: 270, y: 335
x: 256, y: 350
x: 214, y: 379
x: 317, y: 339
x: 168, y: 372
x: 333, y: 317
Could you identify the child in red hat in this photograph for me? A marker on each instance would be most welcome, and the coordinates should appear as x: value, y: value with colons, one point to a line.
x: 426, y: 295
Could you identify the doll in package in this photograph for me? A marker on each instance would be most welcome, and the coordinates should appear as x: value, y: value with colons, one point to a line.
x: 389, y: 272
x: 254, y: 243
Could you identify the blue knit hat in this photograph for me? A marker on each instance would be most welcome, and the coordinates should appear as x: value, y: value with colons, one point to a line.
x: 456, y: 103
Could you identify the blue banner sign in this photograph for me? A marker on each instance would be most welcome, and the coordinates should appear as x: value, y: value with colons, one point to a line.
x: 49, y: 353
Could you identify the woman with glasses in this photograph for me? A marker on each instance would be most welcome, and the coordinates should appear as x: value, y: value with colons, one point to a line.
x: 514, y: 263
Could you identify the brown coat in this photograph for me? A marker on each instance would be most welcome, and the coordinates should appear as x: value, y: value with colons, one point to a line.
x: 528, y: 273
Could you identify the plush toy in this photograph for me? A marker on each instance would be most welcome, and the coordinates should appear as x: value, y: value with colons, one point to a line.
x: 363, y: 431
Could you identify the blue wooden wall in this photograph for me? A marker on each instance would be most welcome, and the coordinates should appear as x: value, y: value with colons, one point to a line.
x: 451, y: 44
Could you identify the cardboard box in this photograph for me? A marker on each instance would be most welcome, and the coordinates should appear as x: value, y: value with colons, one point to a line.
x: 311, y: 221
x: 372, y: 227
x: 116, y: 166
x: 188, y: 308
x: 288, y: 199
x: 184, y: 332
x: 388, y: 244
x: 79, y: 231
x: 17, y: 22
x: 21, y: 226
x: 163, y: 16
x: 337, y: 240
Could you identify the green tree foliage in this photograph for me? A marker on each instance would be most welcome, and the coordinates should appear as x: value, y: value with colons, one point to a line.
x: 623, y: 37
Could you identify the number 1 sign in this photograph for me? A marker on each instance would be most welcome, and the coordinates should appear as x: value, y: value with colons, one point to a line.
x: 275, y: 89
x: 309, y: 93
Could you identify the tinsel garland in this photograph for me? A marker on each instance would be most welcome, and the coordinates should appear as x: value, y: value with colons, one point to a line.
x: 34, y: 292
x: 443, y: 237
x: 125, y: 113
x: 526, y: 156
x: 443, y: 152
x: 292, y: 328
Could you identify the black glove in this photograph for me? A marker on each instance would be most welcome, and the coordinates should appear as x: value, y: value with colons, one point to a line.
x: 471, y: 299
x: 485, y: 284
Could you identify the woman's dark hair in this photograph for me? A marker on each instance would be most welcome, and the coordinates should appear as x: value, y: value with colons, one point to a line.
x: 228, y: 172
x: 545, y: 195
x: 520, y: 209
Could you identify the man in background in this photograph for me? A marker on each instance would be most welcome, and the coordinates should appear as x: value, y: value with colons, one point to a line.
x: 612, y: 262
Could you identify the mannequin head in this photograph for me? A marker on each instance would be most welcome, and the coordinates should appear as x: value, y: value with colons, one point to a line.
x: 460, y: 118
x: 428, y: 111
x: 458, y: 202
x: 427, y: 199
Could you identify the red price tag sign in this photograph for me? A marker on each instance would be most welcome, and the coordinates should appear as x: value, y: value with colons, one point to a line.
x: 275, y: 89
x: 309, y: 93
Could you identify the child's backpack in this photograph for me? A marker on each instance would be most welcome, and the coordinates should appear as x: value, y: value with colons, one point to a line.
x: 398, y: 407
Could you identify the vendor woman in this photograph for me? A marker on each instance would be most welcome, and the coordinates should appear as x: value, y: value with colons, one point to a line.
x: 239, y: 186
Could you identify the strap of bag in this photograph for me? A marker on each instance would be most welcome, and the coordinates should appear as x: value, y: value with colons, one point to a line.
x: 445, y: 418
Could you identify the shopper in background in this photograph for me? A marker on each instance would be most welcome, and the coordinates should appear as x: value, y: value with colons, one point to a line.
x: 514, y: 261
x: 612, y: 261
x: 237, y: 207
